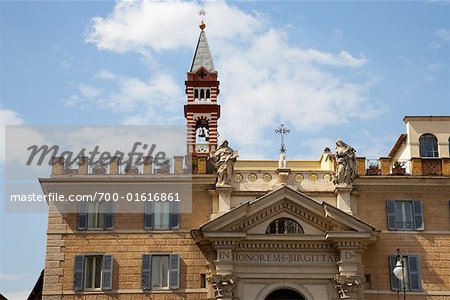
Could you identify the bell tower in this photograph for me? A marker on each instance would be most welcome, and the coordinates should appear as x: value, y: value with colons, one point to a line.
x: 202, y: 111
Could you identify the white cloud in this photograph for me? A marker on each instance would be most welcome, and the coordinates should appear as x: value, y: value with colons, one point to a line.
x: 267, y: 78
x: 12, y: 277
x: 17, y: 295
x: 442, y: 37
x: 154, y: 100
x: 142, y: 25
x: 7, y: 117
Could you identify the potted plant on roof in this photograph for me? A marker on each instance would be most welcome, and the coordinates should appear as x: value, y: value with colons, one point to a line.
x: 399, y: 168
x: 373, y: 169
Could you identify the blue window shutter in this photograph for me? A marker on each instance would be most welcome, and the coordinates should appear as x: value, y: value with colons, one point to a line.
x: 82, y: 215
x: 174, y: 276
x: 107, y: 272
x: 148, y: 215
x: 414, y: 273
x: 146, y: 280
x: 418, y: 215
x: 390, y: 205
x: 78, y: 270
x: 394, y: 280
x: 109, y: 215
x: 174, y: 215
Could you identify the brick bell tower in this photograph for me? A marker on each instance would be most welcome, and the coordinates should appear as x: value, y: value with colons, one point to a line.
x: 202, y: 111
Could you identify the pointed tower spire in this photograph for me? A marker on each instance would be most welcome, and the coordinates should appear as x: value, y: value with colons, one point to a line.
x: 202, y: 56
x: 202, y: 110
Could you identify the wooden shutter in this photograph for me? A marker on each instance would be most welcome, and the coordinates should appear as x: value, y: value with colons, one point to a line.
x: 78, y: 276
x: 174, y: 215
x: 148, y: 214
x: 418, y: 215
x: 109, y: 215
x: 107, y: 272
x: 82, y: 215
x: 174, y: 275
x: 146, y: 280
x: 394, y: 280
x: 390, y: 205
x: 414, y: 273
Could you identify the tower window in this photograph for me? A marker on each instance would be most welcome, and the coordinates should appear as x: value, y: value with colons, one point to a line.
x: 284, y: 226
x: 428, y: 145
x: 195, y: 95
x: 202, y: 94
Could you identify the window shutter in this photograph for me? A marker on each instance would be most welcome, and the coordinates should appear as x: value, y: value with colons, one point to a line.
x: 174, y: 215
x: 174, y: 276
x: 394, y: 280
x: 390, y: 204
x: 78, y: 270
x: 146, y: 280
x: 418, y: 215
x: 107, y: 272
x: 414, y: 273
x: 82, y: 215
x: 148, y: 215
x: 109, y: 215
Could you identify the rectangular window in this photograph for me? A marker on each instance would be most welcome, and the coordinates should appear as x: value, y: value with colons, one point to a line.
x: 95, y: 215
x: 404, y: 215
x: 93, y: 272
x: 411, y: 280
x: 160, y: 271
x: 161, y: 215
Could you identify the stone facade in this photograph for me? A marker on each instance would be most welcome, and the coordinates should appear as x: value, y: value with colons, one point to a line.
x: 270, y: 232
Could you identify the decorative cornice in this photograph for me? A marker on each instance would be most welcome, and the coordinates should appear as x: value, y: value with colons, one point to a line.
x: 287, y: 205
x: 403, y: 188
x: 169, y: 186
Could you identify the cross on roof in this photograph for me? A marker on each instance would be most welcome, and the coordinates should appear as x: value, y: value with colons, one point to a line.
x: 282, y: 131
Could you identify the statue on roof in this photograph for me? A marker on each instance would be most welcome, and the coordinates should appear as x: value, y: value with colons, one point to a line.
x: 224, y: 158
x: 345, y: 157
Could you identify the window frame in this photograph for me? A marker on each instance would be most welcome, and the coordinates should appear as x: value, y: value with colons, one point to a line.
x: 173, y: 272
x: 84, y: 216
x: 85, y: 277
x: 417, y: 217
x: 428, y: 144
x: 412, y: 276
x: 284, y: 220
x: 80, y: 272
x: 173, y: 215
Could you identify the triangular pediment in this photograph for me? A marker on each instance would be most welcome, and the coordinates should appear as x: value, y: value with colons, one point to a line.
x: 316, y: 218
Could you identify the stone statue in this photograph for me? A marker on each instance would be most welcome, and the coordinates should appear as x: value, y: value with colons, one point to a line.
x: 224, y: 158
x: 282, y: 162
x: 346, y: 164
x: 224, y: 285
x: 348, y: 286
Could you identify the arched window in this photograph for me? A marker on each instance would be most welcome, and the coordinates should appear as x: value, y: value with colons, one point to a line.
x: 202, y: 95
x: 284, y: 226
x: 428, y: 145
x: 195, y: 95
x: 208, y: 95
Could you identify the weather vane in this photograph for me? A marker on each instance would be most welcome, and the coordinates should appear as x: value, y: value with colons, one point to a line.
x: 282, y: 131
x: 202, y: 13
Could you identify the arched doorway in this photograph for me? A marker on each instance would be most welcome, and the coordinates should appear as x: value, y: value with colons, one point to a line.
x: 284, y: 294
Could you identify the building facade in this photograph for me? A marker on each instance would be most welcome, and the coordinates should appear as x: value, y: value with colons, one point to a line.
x: 259, y: 229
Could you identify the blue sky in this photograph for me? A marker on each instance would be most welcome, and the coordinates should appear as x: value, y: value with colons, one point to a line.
x: 327, y: 70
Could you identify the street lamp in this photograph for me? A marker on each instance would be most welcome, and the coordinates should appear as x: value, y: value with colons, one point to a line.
x: 399, y: 271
